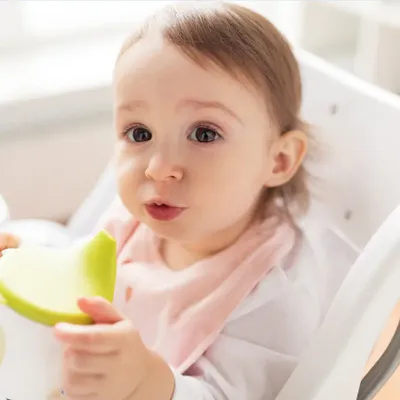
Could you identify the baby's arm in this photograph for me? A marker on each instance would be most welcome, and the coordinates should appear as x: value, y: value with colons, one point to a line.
x: 259, y: 348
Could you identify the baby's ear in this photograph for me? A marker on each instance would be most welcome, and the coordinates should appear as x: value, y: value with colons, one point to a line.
x: 287, y: 154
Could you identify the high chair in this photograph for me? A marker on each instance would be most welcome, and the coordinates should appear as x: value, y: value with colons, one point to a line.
x: 333, y: 366
x: 358, y: 125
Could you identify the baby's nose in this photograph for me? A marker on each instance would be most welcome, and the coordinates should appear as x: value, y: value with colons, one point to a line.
x: 163, y: 168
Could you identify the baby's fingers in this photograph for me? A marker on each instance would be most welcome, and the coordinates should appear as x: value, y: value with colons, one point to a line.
x: 8, y: 241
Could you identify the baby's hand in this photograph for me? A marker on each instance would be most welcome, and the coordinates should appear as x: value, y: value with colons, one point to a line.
x: 103, y: 361
x: 8, y: 241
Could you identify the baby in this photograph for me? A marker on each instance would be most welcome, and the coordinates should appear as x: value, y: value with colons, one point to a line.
x: 218, y: 290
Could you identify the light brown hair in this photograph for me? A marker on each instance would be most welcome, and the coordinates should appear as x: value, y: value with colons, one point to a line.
x: 248, y: 46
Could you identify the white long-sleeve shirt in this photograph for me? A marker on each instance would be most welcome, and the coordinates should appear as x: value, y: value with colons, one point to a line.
x: 260, y: 345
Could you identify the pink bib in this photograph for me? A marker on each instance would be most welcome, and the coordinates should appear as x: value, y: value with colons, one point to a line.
x: 179, y: 314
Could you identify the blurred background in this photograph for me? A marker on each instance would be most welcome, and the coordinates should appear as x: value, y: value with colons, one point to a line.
x: 56, y: 60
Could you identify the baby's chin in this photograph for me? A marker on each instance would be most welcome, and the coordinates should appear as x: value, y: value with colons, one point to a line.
x: 184, y: 230
x: 172, y: 230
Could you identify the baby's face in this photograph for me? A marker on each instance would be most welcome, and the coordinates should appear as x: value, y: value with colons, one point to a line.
x: 190, y: 137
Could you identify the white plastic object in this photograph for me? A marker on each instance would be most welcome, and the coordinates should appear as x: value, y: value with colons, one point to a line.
x: 18, y: 377
x: 39, y: 232
x: 333, y: 366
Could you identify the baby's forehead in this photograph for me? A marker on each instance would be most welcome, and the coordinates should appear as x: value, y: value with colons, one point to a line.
x: 156, y: 66
x: 154, y: 57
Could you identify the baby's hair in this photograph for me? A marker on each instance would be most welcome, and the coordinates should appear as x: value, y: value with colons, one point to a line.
x: 248, y: 46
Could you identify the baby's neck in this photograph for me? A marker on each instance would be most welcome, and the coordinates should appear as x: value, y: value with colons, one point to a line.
x: 178, y: 256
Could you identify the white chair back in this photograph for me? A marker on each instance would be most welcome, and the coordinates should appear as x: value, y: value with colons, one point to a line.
x: 360, y: 124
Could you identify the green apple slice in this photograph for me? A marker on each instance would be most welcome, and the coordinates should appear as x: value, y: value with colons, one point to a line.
x: 44, y: 284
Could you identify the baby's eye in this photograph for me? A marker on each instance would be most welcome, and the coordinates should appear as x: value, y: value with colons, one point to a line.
x: 204, y: 135
x: 138, y: 134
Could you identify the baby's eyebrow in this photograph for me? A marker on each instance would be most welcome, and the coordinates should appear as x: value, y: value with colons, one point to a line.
x: 198, y: 104
x: 193, y: 103
x: 131, y: 106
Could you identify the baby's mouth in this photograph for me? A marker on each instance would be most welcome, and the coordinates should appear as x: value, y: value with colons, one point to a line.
x: 163, y: 212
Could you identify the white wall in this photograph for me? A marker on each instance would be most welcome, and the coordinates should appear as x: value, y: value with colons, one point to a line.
x: 47, y: 172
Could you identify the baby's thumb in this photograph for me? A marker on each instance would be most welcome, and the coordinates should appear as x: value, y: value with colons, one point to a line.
x: 100, y: 310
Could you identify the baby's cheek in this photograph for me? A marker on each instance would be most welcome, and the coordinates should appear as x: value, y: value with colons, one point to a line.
x: 127, y: 185
x: 129, y: 171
